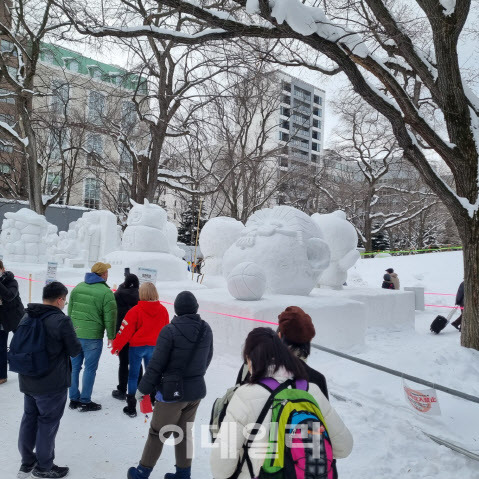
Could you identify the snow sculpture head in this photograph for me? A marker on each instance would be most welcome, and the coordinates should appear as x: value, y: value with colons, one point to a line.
x: 217, y: 235
x: 146, y: 229
x: 342, y: 239
x: 286, y: 244
x: 247, y: 282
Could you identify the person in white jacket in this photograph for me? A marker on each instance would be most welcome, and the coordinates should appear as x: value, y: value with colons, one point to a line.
x: 261, y: 346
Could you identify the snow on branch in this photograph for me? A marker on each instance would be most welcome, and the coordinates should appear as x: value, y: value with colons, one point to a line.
x: 8, y: 129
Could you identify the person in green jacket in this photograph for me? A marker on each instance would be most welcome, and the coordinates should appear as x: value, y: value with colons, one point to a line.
x: 92, y: 307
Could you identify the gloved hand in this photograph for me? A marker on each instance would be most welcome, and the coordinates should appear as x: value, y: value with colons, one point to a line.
x: 139, y: 395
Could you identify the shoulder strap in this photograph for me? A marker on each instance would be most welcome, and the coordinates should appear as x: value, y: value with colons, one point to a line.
x: 267, y: 406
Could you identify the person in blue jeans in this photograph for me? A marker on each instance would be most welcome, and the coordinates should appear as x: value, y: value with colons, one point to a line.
x: 140, y: 328
x: 92, y: 307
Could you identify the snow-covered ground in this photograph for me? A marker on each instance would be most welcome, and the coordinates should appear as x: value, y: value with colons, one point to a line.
x: 389, y: 442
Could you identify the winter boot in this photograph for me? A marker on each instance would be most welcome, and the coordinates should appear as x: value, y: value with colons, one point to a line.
x: 181, y: 473
x: 117, y: 394
x: 140, y: 472
x: 130, y: 409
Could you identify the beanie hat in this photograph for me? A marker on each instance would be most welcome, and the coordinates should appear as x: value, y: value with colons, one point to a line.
x: 185, y: 303
x: 296, y: 326
x: 131, y: 281
x: 390, y: 270
x: 100, y: 268
x: 387, y: 277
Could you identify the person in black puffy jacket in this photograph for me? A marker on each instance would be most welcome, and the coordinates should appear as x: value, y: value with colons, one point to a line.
x: 126, y: 296
x: 171, y: 356
x: 11, y: 312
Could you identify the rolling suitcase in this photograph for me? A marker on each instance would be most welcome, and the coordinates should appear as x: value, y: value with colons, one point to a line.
x: 440, y: 322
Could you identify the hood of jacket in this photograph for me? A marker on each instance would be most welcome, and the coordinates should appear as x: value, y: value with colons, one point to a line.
x: 7, y: 276
x: 36, y: 310
x: 152, y: 308
x: 93, y: 278
x: 184, y: 324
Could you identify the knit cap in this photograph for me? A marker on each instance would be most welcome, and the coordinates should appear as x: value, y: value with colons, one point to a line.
x: 185, y: 303
x: 296, y: 326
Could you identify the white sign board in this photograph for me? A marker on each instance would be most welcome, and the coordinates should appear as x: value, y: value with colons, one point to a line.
x: 51, y: 272
x: 423, y: 401
x: 147, y: 274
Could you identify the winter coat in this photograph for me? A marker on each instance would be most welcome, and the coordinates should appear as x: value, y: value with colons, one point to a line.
x: 395, y: 280
x: 125, y: 298
x: 460, y: 295
x: 11, y: 307
x: 141, y: 326
x: 92, y: 307
x: 245, y: 408
x: 61, y: 343
x: 172, y: 352
x: 387, y: 285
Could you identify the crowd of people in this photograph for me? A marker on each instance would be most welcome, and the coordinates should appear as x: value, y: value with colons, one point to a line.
x: 167, y: 360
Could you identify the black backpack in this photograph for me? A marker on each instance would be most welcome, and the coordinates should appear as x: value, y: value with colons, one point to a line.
x: 27, y: 354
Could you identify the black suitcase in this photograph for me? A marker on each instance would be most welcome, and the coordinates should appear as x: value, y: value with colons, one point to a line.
x: 440, y: 322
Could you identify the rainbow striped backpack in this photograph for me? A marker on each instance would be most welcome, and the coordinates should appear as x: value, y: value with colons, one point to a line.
x: 299, y: 446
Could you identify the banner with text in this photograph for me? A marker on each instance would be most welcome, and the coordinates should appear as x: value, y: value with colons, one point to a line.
x: 423, y: 401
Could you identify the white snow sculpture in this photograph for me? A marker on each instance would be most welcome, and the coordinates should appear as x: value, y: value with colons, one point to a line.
x: 286, y: 244
x: 149, y: 241
x: 217, y: 235
x: 146, y: 229
x: 247, y: 282
x: 342, y: 239
x: 88, y: 239
x: 24, y: 236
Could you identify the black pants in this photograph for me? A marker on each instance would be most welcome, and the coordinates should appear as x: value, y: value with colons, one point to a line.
x: 123, y: 370
x: 3, y: 353
x: 39, y: 427
x: 457, y: 323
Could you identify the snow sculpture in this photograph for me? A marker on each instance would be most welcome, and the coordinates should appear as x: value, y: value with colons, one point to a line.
x: 217, y: 235
x: 149, y: 241
x: 342, y: 239
x: 286, y: 244
x: 24, y: 235
x: 247, y: 282
x: 88, y: 239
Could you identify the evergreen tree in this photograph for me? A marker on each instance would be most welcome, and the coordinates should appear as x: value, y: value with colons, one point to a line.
x: 380, y: 241
x: 189, y: 222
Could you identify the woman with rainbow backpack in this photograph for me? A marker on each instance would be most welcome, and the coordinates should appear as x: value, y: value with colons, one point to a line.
x: 279, y: 424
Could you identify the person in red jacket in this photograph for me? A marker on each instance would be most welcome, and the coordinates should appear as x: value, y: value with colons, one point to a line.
x: 140, y: 328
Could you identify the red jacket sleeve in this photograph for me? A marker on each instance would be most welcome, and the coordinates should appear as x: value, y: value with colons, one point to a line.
x: 127, y: 329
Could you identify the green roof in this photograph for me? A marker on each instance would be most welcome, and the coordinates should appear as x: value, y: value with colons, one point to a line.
x: 64, y: 58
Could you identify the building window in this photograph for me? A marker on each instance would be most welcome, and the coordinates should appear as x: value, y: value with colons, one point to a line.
x: 123, y: 197
x: 283, y: 136
x: 286, y: 86
x: 8, y: 47
x: 316, y: 124
x: 73, y: 66
x: 285, y: 125
x: 305, y: 95
x: 60, y: 96
x: 315, y: 146
x: 5, y: 147
x: 92, y: 193
x: 96, y: 107
x: 95, y: 149
x: 317, y: 111
x: 283, y: 162
x: 59, y: 142
x: 48, y: 56
x: 8, y: 119
x: 285, y: 111
x: 286, y: 99
x: 316, y: 135
x: 5, y: 169
x: 316, y: 99
x: 53, y: 182
x: 126, y: 160
x: 96, y: 73
x: 6, y: 96
x: 128, y: 114
x: 315, y: 158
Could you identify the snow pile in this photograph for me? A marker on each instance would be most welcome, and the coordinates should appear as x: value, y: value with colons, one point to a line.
x: 25, y: 235
x: 286, y: 244
x: 341, y: 238
x: 217, y: 235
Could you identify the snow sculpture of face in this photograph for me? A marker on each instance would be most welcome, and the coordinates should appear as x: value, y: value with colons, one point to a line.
x: 146, y: 229
x: 217, y: 235
x: 286, y: 244
x: 342, y: 239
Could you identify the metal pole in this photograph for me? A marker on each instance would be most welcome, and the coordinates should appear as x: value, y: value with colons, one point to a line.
x: 196, y: 242
x: 399, y: 374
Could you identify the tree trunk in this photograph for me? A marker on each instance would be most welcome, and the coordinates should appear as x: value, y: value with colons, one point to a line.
x: 470, y: 317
